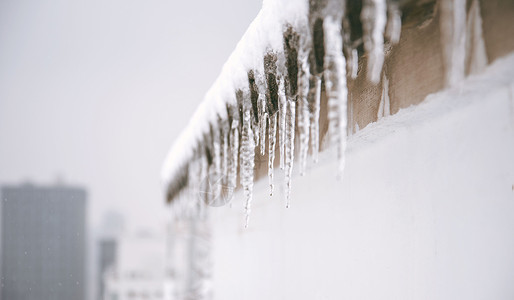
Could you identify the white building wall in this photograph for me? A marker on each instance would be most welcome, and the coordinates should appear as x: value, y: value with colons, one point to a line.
x: 425, y: 210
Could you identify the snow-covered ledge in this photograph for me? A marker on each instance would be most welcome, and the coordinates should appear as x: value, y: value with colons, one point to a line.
x: 290, y: 83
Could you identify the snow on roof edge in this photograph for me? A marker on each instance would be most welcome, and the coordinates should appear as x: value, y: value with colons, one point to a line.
x: 264, y: 33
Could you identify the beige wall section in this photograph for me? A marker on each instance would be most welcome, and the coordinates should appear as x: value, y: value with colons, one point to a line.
x: 414, y: 67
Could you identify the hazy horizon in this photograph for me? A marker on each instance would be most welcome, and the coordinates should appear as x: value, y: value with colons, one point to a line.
x: 94, y: 93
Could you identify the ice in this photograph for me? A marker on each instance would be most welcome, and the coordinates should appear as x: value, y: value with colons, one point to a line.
x: 384, y: 109
x: 303, y: 110
x: 263, y: 117
x: 354, y: 63
x: 271, y: 149
x: 452, y: 23
x: 233, y: 156
x: 282, y: 111
x: 314, y: 103
x: 214, y: 189
x: 224, y: 152
x: 289, y: 148
x: 373, y: 18
x: 335, y: 82
x: 350, y: 51
x: 247, y: 157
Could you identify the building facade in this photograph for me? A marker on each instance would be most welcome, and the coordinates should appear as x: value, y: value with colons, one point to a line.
x: 43, y: 241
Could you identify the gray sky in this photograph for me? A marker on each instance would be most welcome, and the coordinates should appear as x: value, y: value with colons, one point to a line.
x: 96, y: 91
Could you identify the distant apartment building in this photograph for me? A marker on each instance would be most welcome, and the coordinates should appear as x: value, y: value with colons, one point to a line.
x: 139, y: 271
x: 106, y: 260
x: 43, y: 242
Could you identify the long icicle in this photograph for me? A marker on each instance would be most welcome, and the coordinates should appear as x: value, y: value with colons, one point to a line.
x: 234, y: 154
x: 476, y: 59
x: 337, y: 92
x: 373, y: 18
x: 349, y: 49
x: 314, y: 98
x: 215, y: 176
x: 290, y: 134
x: 263, y: 118
x: 303, y: 110
x: 224, y: 161
x: 452, y: 23
x: 272, y: 137
x: 248, y: 157
x: 394, y: 22
x: 282, y: 111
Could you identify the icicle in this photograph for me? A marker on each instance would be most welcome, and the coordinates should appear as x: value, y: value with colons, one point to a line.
x: 233, y: 155
x: 263, y: 117
x: 350, y: 51
x: 289, y: 148
x: 214, y: 180
x: 247, y: 158
x: 314, y: 101
x: 475, y: 45
x: 303, y: 110
x: 335, y: 82
x: 282, y: 111
x: 373, y: 18
x: 272, y: 137
x: 453, y: 37
x: 384, y: 109
x: 224, y: 131
x: 202, y: 176
x: 354, y: 62
x: 394, y: 22
x: 224, y: 150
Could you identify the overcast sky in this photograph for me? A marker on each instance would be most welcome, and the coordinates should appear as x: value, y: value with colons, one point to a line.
x: 96, y: 91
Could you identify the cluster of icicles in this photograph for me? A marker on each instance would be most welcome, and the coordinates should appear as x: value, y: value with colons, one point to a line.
x: 289, y: 90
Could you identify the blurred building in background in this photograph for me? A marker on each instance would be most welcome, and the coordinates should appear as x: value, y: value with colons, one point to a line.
x: 107, y: 248
x: 43, y: 242
x: 112, y: 228
x: 139, y: 268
